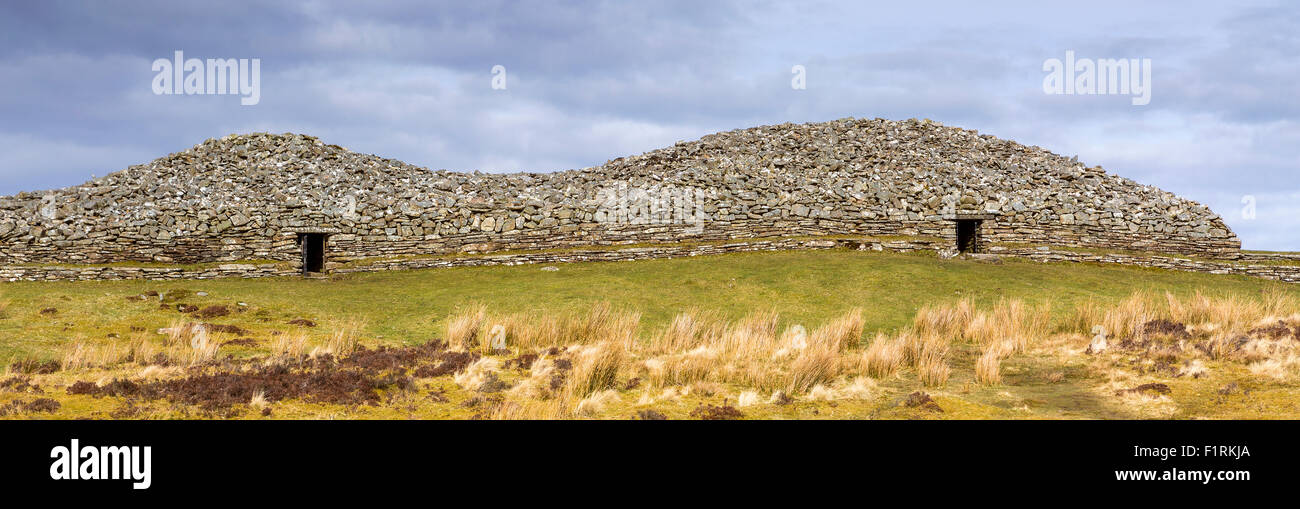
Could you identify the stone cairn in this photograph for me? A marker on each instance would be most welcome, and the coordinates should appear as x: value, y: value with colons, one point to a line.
x: 250, y: 197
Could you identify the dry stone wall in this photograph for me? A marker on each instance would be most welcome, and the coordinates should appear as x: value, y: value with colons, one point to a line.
x: 1286, y: 273
x: 270, y: 269
x: 249, y: 197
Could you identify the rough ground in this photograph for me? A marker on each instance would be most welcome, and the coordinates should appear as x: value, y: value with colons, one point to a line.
x: 405, y: 371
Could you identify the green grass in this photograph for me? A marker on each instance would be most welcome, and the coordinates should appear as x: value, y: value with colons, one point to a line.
x: 1055, y: 381
x: 408, y: 307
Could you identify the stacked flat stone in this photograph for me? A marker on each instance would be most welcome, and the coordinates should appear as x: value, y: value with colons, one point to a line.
x: 247, y: 197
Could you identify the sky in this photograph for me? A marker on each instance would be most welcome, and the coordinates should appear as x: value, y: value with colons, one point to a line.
x: 586, y: 82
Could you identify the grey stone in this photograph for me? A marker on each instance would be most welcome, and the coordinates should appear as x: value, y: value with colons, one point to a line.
x: 249, y: 196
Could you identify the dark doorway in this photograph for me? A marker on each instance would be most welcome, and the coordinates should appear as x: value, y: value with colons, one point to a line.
x: 313, y: 252
x: 968, y: 235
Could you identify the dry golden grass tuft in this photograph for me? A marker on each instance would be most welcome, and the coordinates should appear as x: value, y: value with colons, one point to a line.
x: 595, y: 369
x: 595, y: 403
x: 155, y: 372
x: 932, y: 369
x: 525, y: 409
x: 289, y: 346
x: 185, y: 345
x: 816, y: 365
x: 1126, y: 319
x: 1083, y: 317
x: 700, y: 354
x: 839, y: 334
x: 1230, y: 312
x: 342, y: 342
x: 1198, y: 312
x: 477, y: 375
x: 1282, y: 368
x: 988, y: 367
x: 79, y: 354
x: 749, y: 352
x: 949, y: 321
x: 685, y: 331
x: 463, y: 329
x: 603, y: 324
x: 915, y: 345
x: 1257, y: 332
x: 695, y: 353
x: 883, y: 357
x: 472, y: 328
x: 1008, y: 318
x: 258, y: 401
x: 752, y: 337
x: 537, y: 385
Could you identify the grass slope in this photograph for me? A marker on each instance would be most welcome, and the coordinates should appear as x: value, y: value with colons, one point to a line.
x: 410, y: 307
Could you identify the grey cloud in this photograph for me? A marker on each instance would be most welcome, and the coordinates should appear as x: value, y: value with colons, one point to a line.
x: 591, y: 81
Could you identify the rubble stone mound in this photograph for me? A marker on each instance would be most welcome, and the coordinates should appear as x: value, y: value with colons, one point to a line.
x: 258, y: 196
